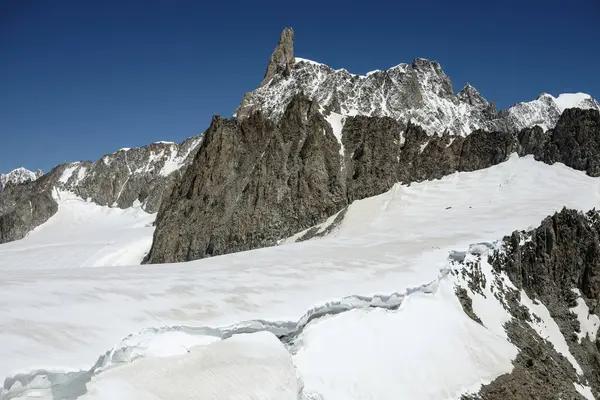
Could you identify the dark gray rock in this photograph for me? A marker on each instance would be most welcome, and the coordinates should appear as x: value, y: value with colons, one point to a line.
x: 562, y: 254
x: 322, y: 231
x: 471, y: 96
x: 251, y: 183
x: 25, y: 206
x: 467, y: 304
x: 575, y: 141
x: 539, y: 371
x: 254, y: 181
x: 282, y: 59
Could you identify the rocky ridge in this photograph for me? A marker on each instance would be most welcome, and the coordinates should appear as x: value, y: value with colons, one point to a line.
x: 419, y: 92
x: 545, y: 277
x: 142, y: 174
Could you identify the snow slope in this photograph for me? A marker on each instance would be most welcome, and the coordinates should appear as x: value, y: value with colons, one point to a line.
x: 82, y: 234
x: 390, y: 252
x: 257, y: 362
x: 576, y: 100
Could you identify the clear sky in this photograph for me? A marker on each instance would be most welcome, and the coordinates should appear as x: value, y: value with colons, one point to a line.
x: 81, y: 78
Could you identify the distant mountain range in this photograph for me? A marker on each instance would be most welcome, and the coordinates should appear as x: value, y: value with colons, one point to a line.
x: 19, y: 175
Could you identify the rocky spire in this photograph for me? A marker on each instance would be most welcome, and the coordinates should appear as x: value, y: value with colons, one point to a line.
x: 471, y: 96
x: 282, y: 59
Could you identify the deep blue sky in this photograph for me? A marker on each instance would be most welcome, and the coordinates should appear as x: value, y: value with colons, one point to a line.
x: 79, y: 79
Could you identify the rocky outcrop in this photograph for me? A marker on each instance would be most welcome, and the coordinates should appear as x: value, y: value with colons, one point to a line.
x: 419, y: 91
x: 24, y: 206
x: 282, y: 59
x: 381, y: 152
x: 553, y: 264
x: 575, y: 141
x: 471, y: 96
x: 254, y: 182
x: 251, y: 183
x: 140, y: 175
x: 251, y: 169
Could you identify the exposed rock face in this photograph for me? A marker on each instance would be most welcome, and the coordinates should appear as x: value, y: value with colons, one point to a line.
x: 254, y: 182
x: 245, y: 177
x: 251, y: 183
x: 549, y: 263
x: 381, y: 152
x: 282, y: 59
x: 24, y: 206
x: 471, y: 96
x: 575, y: 141
x: 142, y: 174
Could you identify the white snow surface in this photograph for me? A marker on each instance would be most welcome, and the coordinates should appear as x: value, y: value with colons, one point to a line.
x: 405, y: 354
x: 58, y: 316
x: 585, y: 391
x: 588, y: 322
x: 257, y: 362
x: 81, y: 234
x: 337, y: 124
x: 575, y: 100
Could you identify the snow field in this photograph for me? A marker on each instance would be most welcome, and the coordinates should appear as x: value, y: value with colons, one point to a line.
x: 59, y: 316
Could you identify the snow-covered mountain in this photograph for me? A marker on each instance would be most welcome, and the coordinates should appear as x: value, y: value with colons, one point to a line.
x: 419, y: 92
x: 547, y: 109
x: 128, y: 175
x: 138, y: 176
x: 19, y: 175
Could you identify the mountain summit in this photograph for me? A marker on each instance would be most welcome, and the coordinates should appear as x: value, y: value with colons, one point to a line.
x: 19, y: 175
x: 419, y: 92
x: 282, y: 59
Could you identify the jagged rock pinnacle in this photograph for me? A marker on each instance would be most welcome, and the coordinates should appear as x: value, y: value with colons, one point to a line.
x: 282, y: 59
x: 471, y: 96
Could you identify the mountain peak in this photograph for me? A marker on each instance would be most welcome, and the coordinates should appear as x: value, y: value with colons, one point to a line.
x: 282, y: 59
x: 19, y: 175
x: 471, y: 96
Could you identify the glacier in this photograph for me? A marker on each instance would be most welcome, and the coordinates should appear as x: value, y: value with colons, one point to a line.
x: 344, y: 316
